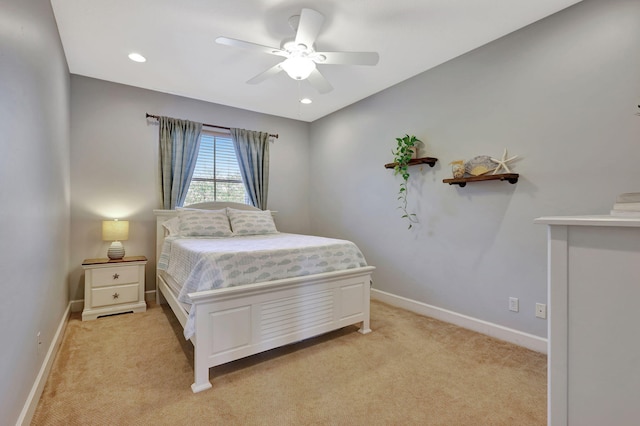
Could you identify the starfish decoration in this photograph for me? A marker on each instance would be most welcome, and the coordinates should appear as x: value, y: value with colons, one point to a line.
x: 503, y: 162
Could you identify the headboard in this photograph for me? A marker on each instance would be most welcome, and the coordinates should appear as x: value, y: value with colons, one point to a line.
x: 164, y: 215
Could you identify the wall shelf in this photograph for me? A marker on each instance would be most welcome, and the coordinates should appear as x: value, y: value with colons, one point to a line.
x: 424, y: 160
x: 510, y: 177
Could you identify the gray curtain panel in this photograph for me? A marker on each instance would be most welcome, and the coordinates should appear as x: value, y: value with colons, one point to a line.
x: 252, y: 151
x: 179, y: 145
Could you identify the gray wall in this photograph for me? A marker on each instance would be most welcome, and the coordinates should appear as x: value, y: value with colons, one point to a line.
x: 561, y: 93
x: 34, y: 194
x: 114, y: 165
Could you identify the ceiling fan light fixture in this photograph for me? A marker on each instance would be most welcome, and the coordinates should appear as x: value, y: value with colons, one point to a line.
x: 298, y: 68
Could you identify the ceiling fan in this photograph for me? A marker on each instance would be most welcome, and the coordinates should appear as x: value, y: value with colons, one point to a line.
x: 300, y: 54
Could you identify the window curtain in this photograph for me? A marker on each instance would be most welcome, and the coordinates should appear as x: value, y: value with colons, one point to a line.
x: 252, y: 151
x: 179, y: 145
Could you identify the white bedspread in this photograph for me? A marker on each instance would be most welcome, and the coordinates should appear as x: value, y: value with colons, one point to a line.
x: 208, y: 263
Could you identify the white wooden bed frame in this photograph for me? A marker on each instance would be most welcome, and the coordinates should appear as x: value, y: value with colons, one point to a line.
x: 235, y: 322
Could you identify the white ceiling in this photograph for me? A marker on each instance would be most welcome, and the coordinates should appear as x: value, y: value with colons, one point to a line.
x: 177, y: 38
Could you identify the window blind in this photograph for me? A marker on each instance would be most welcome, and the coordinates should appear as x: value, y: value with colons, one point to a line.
x: 216, y: 176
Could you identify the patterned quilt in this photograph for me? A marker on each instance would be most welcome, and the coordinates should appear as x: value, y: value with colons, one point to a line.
x: 208, y: 263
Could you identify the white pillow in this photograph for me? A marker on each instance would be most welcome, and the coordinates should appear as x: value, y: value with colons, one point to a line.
x: 172, y: 226
x: 204, y: 223
x: 251, y: 222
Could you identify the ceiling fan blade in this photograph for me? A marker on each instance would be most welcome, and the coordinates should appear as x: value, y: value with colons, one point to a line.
x: 347, y: 58
x: 251, y: 46
x: 309, y: 27
x: 318, y: 82
x: 266, y: 74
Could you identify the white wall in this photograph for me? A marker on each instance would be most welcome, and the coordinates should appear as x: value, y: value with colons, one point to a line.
x: 34, y: 194
x: 561, y: 93
x: 114, y: 165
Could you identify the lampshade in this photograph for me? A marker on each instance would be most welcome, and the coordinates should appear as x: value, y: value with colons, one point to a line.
x: 115, y: 230
x: 298, y: 68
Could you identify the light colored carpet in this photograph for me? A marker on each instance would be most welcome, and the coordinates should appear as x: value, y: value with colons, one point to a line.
x: 136, y: 369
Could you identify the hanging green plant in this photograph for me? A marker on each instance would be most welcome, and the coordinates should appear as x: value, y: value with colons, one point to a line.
x: 403, y: 153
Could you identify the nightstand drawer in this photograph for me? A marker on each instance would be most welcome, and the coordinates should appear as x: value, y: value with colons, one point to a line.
x: 115, y: 275
x: 114, y: 295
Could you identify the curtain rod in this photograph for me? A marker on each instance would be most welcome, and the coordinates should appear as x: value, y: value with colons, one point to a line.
x: 209, y: 125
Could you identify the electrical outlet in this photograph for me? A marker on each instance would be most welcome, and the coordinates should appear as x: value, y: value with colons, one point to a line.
x: 541, y: 310
x: 39, y: 341
x: 513, y: 304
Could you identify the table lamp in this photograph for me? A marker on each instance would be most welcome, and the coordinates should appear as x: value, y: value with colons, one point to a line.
x: 115, y: 231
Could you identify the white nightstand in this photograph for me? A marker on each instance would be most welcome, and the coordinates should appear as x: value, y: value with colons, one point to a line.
x: 113, y: 286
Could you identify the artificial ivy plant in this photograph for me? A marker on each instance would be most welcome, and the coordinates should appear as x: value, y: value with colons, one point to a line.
x: 401, y: 157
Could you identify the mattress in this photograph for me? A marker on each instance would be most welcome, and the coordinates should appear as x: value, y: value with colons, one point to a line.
x: 200, y: 264
x: 174, y: 288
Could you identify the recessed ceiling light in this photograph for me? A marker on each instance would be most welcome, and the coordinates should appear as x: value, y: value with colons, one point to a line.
x: 305, y: 101
x: 136, y: 57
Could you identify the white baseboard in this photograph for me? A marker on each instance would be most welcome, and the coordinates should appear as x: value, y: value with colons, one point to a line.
x: 41, y: 379
x: 77, y: 305
x: 529, y: 341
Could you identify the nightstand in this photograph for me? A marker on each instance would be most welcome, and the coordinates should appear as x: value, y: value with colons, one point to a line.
x: 113, y: 286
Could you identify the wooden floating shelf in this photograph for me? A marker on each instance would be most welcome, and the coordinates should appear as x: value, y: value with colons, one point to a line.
x: 424, y: 160
x: 510, y: 177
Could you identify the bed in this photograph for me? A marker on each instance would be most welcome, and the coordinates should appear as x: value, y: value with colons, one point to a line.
x: 232, y: 322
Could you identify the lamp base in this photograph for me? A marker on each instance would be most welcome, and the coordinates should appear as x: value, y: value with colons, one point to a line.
x: 116, y: 251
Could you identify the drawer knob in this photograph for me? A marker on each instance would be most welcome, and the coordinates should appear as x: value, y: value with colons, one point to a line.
x: 116, y: 276
x: 115, y: 295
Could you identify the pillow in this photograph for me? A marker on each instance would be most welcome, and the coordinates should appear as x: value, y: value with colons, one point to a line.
x: 172, y: 226
x: 204, y: 223
x: 251, y: 222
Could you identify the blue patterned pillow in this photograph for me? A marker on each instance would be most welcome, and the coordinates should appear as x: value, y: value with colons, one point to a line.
x: 204, y: 223
x: 251, y: 222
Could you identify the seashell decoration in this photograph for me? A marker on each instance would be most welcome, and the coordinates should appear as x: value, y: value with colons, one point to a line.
x: 457, y: 168
x: 479, y: 165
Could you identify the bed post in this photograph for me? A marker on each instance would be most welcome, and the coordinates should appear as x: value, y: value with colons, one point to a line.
x: 161, y: 217
x: 201, y: 351
x: 200, y: 374
x: 366, y: 294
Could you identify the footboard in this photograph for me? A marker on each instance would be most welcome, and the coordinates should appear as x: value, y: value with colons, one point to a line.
x: 236, y: 322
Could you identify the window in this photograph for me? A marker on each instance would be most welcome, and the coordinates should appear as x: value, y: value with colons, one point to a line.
x: 217, y: 175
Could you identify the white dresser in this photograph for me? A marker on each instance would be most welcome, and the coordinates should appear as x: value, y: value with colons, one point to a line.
x: 594, y: 320
x: 113, y: 286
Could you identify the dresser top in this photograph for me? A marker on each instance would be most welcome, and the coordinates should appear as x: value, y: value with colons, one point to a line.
x: 592, y: 220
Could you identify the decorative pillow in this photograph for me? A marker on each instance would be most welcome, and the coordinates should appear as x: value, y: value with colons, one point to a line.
x: 204, y: 223
x: 251, y: 222
x: 172, y: 226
